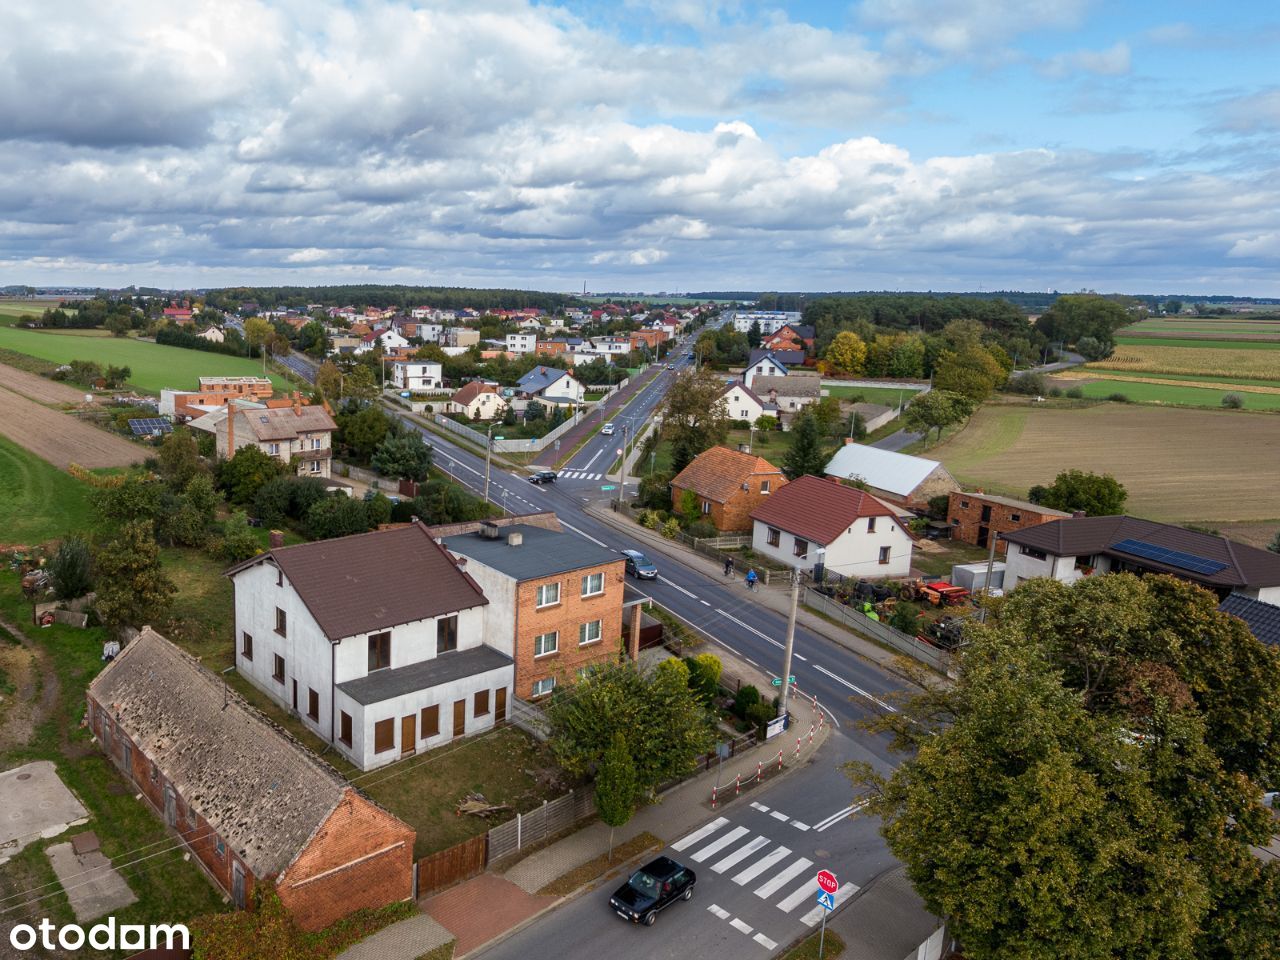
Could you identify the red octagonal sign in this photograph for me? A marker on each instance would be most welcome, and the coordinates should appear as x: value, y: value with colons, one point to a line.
x: 827, y: 881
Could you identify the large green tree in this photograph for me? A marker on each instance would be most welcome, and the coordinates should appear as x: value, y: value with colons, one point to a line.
x: 133, y: 589
x: 973, y: 371
x: 616, y: 787
x: 1083, y: 315
x: 694, y: 416
x: 1098, y: 495
x: 406, y: 457
x: 936, y: 410
x: 847, y: 353
x: 806, y: 454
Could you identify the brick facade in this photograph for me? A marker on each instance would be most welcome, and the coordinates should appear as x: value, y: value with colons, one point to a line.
x: 566, y: 618
x: 975, y: 516
x: 735, y: 513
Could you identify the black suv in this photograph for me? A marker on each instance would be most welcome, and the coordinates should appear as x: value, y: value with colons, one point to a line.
x: 652, y: 888
x: 543, y: 476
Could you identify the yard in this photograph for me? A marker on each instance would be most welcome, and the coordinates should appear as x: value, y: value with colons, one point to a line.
x: 154, y: 366
x: 1179, y: 465
x: 888, y: 396
x: 38, y: 502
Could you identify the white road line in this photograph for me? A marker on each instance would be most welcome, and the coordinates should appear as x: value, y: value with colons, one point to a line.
x: 747, y: 626
x: 779, y: 815
x: 800, y: 657
x: 838, y: 679
x: 765, y: 942
x: 759, y: 806
x: 740, y: 854
x: 720, y: 912
x: 741, y: 925
x: 678, y: 587
x: 593, y: 459
x: 782, y: 879
x: 799, y: 826
x: 805, y: 893
x: 582, y: 533
x: 704, y: 603
x: 811, y: 918
x: 701, y: 833
x: 828, y: 821
x: 761, y: 865
x: 832, y: 821
x: 711, y: 849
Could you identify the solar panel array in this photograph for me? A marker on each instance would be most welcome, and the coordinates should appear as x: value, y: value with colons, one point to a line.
x: 1171, y: 558
x: 149, y: 426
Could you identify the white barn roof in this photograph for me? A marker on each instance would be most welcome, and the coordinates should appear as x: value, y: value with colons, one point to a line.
x: 896, y: 473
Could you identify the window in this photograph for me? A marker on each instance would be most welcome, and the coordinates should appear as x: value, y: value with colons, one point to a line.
x: 277, y: 670
x: 279, y: 577
x: 774, y: 536
x: 246, y: 646
x: 548, y: 594
x: 384, y: 736
x: 273, y: 449
x: 871, y: 524
x: 706, y: 506
x: 544, y: 686
x: 545, y: 643
x: 430, y: 721
x: 964, y: 504
x: 316, y: 443
x: 344, y: 728
x: 220, y: 849
x: 315, y: 466
x: 379, y: 651
x: 800, y: 548
x: 481, y: 704
x: 447, y: 634
x: 1015, y: 517
x: 764, y: 488
x: 592, y: 584
x: 313, y: 705
x: 955, y: 521
x: 884, y: 554
x: 282, y: 622
x: 588, y: 632
x: 1033, y: 553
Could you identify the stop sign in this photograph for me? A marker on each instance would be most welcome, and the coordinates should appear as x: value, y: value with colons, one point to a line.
x: 827, y: 881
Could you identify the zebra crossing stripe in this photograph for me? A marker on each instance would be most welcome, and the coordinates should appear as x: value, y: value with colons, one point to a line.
x: 719, y: 844
x: 701, y: 833
x: 740, y: 854
x: 811, y: 918
x: 761, y: 865
x: 785, y: 877
x: 802, y: 894
x: 720, y: 912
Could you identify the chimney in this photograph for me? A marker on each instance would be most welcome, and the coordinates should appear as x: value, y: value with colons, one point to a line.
x: 276, y: 539
x: 1078, y: 515
x: 231, y: 429
x: 515, y: 539
x: 297, y: 404
x: 461, y: 563
x: 489, y: 530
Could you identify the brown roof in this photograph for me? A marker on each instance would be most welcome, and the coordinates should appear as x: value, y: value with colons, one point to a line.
x: 1026, y: 505
x: 788, y: 386
x: 1245, y: 566
x: 472, y: 390
x: 370, y: 581
x: 284, y: 423
x: 719, y: 473
x: 818, y: 510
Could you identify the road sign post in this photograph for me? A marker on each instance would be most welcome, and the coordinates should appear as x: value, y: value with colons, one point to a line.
x: 777, y: 681
x: 827, y: 900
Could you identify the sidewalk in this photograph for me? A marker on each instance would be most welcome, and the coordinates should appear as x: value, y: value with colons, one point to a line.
x: 676, y: 812
x: 569, y: 442
x: 887, y: 920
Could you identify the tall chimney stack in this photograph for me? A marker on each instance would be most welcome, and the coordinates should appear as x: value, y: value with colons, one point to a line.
x: 297, y: 404
x: 231, y: 428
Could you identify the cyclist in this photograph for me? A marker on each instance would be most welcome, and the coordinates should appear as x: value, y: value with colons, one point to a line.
x: 752, y: 579
x: 728, y: 566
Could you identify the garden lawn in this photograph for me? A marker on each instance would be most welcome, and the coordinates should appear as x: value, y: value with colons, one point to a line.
x: 38, y: 502
x: 888, y: 396
x: 154, y: 366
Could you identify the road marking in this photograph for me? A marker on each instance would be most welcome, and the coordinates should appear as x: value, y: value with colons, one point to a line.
x: 720, y: 912
x: 737, y: 833
x: 701, y: 833
x: 593, y: 459
x: 785, y: 877
x: 678, y: 587
x: 846, y: 891
x: 582, y: 533
x: 833, y: 820
x: 805, y: 893
x: 800, y: 657
x: 799, y: 826
x: 740, y: 854
x: 741, y: 925
x: 759, y: 806
x: 704, y: 603
x: 856, y: 689
x: 778, y: 815
x: 761, y: 865
x: 765, y: 942
x: 747, y: 626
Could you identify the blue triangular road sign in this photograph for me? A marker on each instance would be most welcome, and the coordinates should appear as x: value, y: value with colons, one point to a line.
x: 827, y: 900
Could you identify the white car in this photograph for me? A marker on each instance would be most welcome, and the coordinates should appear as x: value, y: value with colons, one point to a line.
x: 607, y: 429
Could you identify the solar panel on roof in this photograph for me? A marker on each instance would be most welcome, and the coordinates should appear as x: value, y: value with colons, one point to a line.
x: 149, y: 426
x: 1172, y: 558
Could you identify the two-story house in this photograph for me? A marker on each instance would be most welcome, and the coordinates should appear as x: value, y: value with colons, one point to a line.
x: 551, y: 383
x: 727, y: 486
x: 521, y: 342
x: 813, y: 521
x: 743, y: 403
x: 478, y: 400
x: 388, y: 339
x: 377, y: 641
x: 302, y: 431
x: 770, y: 363
x: 417, y: 375
x: 555, y: 598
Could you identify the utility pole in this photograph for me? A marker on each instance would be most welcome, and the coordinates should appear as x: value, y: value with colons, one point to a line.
x: 791, y: 641
x: 986, y: 586
x: 488, y: 459
x: 622, y: 467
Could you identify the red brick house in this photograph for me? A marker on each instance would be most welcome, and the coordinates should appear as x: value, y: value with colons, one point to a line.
x: 790, y: 336
x: 251, y: 803
x: 974, y: 517
x: 728, y: 484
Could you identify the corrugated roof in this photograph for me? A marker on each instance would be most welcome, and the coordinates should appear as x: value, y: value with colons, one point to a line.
x: 897, y: 473
x: 1263, y: 618
x: 787, y: 386
x: 260, y: 790
x: 718, y: 473
x: 818, y: 510
x: 1245, y: 566
x: 370, y: 581
x: 445, y: 668
x: 541, y: 553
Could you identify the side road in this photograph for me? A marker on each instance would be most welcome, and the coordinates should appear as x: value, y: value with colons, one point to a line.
x: 466, y: 913
x: 589, y: 425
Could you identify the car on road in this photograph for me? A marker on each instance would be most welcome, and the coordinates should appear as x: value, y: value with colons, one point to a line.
x: 543, y: 476
x: 651, y: 889
x: 671, y: 366
x: 640, y: 566
x: 607, y: 429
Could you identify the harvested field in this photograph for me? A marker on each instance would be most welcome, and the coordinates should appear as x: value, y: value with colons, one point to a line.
x: 1224, y: 361
x: 60, y: 438
x: 39, y: 388
x: 1179, y: 465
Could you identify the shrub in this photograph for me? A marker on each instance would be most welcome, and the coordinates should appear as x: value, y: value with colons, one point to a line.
x: 1118, y: 398
x: 938, y: 506
x: 671, y: 528
x: 71, y: 569
x: 273, y: 500
x: 1076, y: 393
x: 746, y: 697
x: 1055, y: 392
x: 237, y: 542
x: 702, y: 529
x: 1232, y: 401
x: 1029, y: 384
x: 760, y: 714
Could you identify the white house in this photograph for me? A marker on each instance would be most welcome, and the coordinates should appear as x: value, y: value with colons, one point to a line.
x: 770, y: 363
x: 612, y: 346
x: 530, y: 323
x: 212, y: 334
x: 742, y: 403
x: 418, y: 375
x: 811, y: 520
x: 375, y: 641
x: 388, y: 339
x: 522, y: 342
x: 551, y: 383
x: 478, y: 400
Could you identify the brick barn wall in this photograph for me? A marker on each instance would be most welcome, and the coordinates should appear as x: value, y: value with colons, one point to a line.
x: 1001, y: 521
x: 360, y: 857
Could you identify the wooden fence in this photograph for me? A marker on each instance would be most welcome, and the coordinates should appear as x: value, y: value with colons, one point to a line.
x: 460, y: 862
x: 540, y: 823
x: 855, y: 620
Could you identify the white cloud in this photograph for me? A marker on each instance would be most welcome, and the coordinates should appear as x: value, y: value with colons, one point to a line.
x: 964, y: 27
x: 1114, y: 61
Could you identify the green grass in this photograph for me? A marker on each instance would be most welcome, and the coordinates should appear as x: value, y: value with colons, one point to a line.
x: 807, y: 949
x: 888, y: 396
x: 1179, y: 396
x: 38, y: 502
x: 154, y: 366
x: 1140, y: 341
x: 1148, y: 375
x: 11, y: 311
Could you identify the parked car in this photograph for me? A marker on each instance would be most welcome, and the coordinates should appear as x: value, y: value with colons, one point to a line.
x: 543, y: 476
x: 607, y: 429
x: 651, y: 889
x: 640, y: 566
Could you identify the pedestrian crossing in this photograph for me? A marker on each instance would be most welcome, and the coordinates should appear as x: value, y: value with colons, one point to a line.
x: 579, y: 475
x: 755, y: 862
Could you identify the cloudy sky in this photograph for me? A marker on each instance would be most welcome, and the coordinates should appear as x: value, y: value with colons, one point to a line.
x: 643, y: 144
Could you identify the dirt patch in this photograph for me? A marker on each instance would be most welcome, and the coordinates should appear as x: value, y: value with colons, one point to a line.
x: 60, y: 438
x: 39, y: 388
x: 19, y: 710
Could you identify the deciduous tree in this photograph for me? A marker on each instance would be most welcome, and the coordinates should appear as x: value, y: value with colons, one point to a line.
x: 132, y: 587
x: 1097, y: 495
x: 847, y: 353
x: 936, y: 410
x: 695, y: 417
x: 616, y: 786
